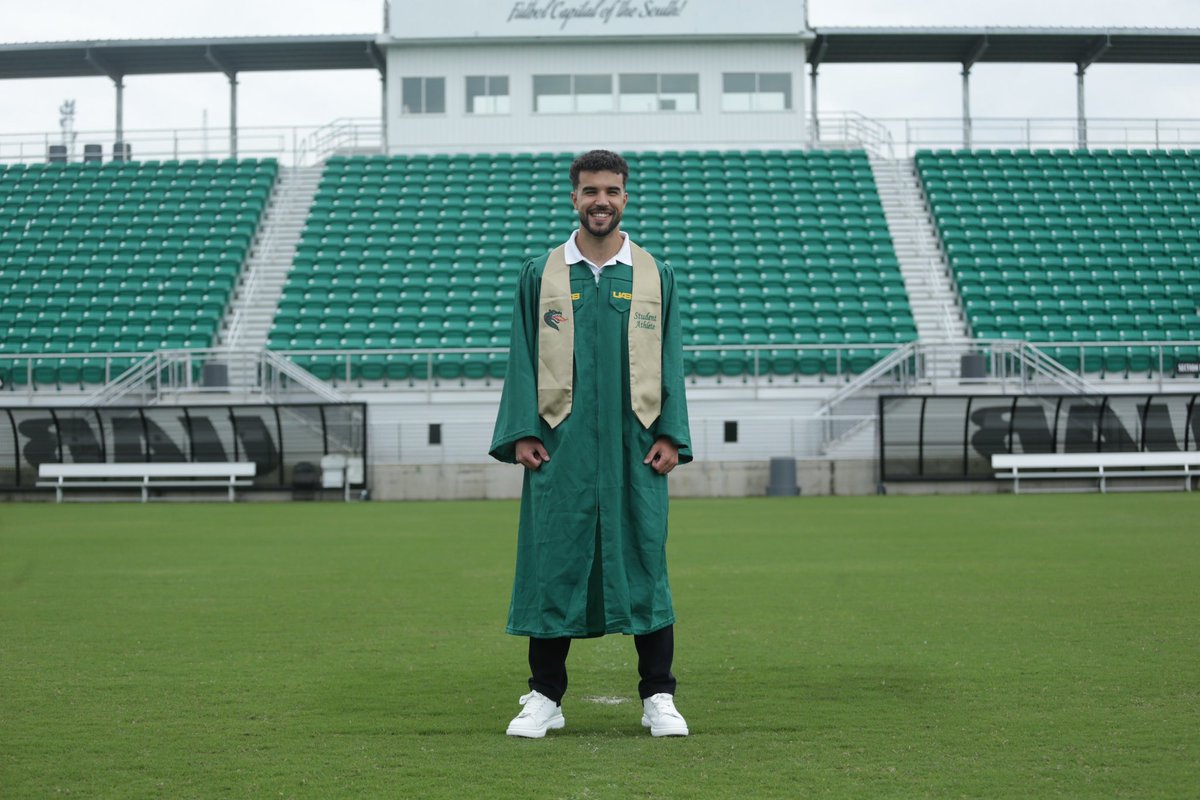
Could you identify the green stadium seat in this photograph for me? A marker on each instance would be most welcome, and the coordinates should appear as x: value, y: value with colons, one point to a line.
x: 131, y: 242
x: 1081, y: 246
x: 733, y: 270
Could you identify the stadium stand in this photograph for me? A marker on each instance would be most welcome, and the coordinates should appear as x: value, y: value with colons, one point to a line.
x: 1074, y: 246
x: 419, y: 251
x: 120, y: 258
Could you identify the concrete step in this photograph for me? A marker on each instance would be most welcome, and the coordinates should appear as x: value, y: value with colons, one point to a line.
x: 258, y: 290
x: 922, y: 264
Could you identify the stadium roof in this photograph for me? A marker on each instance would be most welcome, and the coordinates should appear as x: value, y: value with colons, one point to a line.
x: 1012, y: 45
x: 168, y: 56
x: 116, y: 58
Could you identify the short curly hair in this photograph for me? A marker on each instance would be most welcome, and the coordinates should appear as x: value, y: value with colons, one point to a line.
x: 599, y: 161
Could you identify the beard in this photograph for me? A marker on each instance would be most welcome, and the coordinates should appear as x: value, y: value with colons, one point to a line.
x: 596, y: 227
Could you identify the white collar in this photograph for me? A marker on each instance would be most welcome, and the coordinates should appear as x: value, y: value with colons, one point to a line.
x: 573, y: 256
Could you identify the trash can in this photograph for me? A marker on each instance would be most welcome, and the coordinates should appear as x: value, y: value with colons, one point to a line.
x: 783, y: 478
x: 215, y: 375
x: 973, y: 366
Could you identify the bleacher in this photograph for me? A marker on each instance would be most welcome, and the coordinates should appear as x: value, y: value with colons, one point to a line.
x: 119, y: 258
x: 1071, y: 246
x: 772, y: 248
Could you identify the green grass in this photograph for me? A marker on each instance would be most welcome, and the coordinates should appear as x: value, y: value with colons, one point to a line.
x: 828, y: 647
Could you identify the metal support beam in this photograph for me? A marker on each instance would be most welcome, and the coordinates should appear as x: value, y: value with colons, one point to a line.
x: 815, y: 134
x: 231, y: 73
x: 233, y: 106
x: 966, y: 106
x: 120, y: 121
x: 1080, y: 111
x: 1089, y: 57
x: 383, y: 101
x: 379, y: 64
x: 977, y: 50
x: 118, y: 79
x: 818, y: 55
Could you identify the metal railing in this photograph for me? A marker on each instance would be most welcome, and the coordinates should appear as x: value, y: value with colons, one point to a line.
x: 905, y: 136
x: 846, y: 369
x: 165, y: 375
x: 849, y: 128
x: 293, y: 145
x: 891, y: 137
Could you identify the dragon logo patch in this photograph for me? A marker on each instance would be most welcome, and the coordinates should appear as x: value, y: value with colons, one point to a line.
x: 553, y: 317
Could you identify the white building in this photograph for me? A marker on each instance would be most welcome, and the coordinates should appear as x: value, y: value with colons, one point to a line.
x: 546, y: 75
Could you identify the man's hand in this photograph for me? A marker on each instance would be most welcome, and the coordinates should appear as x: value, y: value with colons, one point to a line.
x: 531, y: 452
x: 663, y: 456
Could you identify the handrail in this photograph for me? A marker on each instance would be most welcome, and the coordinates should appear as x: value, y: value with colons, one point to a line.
x: 285, y: 192
x: 1014, y: 364
x: 300, y: 376
x: 906, y: 135
x: 250, y: 287
x: 890, y: 137
x: 897, y: 358
x: 137, y: 375
x: 1044, y: 364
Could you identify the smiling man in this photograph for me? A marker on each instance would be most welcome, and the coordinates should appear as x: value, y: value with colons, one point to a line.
x: 593, y: 408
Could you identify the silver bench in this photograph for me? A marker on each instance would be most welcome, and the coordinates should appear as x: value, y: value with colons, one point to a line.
x: 147, y: 476
x: 1098, y: 466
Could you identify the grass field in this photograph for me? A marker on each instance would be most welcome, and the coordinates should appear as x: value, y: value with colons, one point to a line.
x: 1002, y: 646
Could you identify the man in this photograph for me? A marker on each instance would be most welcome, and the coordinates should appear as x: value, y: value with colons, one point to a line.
x: 594, y: 409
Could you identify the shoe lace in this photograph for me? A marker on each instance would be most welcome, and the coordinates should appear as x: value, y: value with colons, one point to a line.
x: 532, y: 703
x: 664, y: 704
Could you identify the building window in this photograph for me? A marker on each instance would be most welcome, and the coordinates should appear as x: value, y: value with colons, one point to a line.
x: 565, y: 94
x: 435, y: 433
x: 487, y: 94
x: 423, y: 95
x: 653, y: 92
x: 731, y: 432
x: 757, y: 91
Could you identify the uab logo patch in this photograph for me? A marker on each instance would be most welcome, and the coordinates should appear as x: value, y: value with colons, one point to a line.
x: 553, y: 317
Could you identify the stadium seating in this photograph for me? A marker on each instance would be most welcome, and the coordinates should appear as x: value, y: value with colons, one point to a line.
x: 119, y: 258
x: 771, y: 248
x: 1074, y: 246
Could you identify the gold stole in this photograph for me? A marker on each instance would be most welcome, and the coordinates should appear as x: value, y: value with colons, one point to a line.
x: 556, y: 339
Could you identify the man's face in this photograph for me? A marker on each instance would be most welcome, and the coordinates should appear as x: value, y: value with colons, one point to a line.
x: 599, y: 200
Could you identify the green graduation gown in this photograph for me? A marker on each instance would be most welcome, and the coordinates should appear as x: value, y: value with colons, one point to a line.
x: 591, y: 548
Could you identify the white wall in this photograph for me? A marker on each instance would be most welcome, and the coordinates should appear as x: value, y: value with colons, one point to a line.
x: 767, y: 428
x: 521, y: 130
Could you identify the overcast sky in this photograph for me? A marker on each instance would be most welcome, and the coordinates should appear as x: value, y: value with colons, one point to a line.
x: 315, y: 98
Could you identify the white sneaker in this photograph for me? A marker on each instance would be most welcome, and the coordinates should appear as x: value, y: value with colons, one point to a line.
x: 661, y: 717
x: 539, y: 715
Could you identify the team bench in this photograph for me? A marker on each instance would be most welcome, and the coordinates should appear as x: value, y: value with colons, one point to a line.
x: 147, y: 476
x: 1098, y: 466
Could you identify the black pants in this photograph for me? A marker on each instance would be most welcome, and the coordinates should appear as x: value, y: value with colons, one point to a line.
x: 548, y: 664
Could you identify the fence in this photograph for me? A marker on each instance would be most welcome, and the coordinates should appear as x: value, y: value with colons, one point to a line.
x: 902, y: 137
x: 1012, y: 365
x: 292, y: 145
x: 889, y: 137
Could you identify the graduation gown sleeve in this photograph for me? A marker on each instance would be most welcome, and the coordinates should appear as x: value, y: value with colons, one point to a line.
x: 518, y: 414
x: 673, y: 420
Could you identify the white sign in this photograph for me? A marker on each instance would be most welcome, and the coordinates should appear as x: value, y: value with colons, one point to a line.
x: 498, y: 19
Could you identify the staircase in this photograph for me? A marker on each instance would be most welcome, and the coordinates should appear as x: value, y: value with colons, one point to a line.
x: 247, y: 323
x: 935, y: 305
